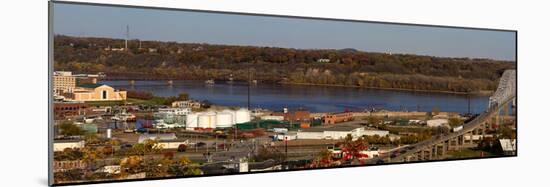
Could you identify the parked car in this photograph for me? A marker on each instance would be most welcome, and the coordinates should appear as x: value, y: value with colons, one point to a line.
x: 200, y: 144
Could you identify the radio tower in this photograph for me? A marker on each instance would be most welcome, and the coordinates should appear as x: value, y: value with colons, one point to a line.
x: 127, y: 37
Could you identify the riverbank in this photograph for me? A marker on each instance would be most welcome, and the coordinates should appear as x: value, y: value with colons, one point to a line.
x: 314, y: 98
x: 474, y: 93
x: 477, y: 93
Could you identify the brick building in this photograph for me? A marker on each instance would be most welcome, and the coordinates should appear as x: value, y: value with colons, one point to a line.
x: 337, y: 117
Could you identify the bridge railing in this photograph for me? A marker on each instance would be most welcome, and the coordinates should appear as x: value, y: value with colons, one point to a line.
x: 506, y: 89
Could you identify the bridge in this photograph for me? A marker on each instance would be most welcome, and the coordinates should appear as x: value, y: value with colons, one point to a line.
x: 474, y: 130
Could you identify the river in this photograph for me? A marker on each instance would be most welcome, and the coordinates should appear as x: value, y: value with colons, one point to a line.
x: 313, y: 98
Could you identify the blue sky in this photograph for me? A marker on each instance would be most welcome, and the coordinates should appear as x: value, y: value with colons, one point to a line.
x: 232, y: 29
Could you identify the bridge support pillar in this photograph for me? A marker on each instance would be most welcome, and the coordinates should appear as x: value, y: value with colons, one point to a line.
x: 472, y: 137
x: 435, y: 151
x: 514, y: 105
x: 483, y: 132
x: 506, y: 111
x: 497, y: 118
x: 461, y: 140
x: 444, y: 149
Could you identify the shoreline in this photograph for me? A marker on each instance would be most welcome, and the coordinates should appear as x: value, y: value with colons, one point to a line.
x: 476, y: 93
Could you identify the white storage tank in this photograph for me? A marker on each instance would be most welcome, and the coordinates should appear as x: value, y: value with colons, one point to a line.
x: 191, y: 121
x: 224, y: 120
x: 242, y: 116
x: 233, y: 114
x: 207, y: 120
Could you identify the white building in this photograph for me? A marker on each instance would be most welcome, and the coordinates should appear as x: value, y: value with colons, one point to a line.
x: 437, y: 122
x: 171, y: 117
x: 282, y: 137
x: 159, y: 137
x: 276, y: 118
x: 172, y: 144
x: 334, y: 132
x: 60, y: 145
x: 186, y: 104
x: 339, y: 132
x: 175, y: 111
x: 372, y: 132
x: 508, y: 146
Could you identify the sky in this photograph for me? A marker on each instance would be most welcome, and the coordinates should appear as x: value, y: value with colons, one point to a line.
x: 234, y: 29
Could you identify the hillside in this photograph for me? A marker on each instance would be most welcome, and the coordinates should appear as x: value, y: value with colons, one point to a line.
x: 345, y: 67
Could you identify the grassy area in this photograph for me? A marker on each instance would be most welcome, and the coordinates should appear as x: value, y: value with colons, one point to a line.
x: 141, y: 102
x: 104, y: 103
x: 468, y: 153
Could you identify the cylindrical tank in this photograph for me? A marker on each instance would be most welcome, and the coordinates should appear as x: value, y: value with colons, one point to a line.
x: 207, y: 120
x: 224, y: 120
x: 233, y: 115
x: 242, y: 116
x: 191, y: 121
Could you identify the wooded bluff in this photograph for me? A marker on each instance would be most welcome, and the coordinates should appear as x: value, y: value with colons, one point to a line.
x: 329, y: 67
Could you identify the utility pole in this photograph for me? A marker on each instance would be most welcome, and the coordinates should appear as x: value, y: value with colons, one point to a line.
x: 127, y: 37
x: 249, y: 81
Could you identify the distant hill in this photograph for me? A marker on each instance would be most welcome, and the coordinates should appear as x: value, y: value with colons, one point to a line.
x: 346, y: 67
x: 348, y: 50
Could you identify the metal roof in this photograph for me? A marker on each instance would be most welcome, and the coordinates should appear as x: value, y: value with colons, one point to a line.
x: 163, y: 137
x: 332, y: 128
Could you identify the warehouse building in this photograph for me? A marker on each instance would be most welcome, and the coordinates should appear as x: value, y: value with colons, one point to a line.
x: 160, y: 137
x: 60, y: 145
x: 437, y: 122
x: 95, y: 92
x: 339, y: 132
x: 298, y: 115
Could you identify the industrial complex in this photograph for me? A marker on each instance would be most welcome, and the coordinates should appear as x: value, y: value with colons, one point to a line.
x: 107, y: 134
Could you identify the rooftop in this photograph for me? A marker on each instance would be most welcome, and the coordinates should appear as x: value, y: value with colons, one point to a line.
x: 163, y: 137
x: 90, y: 85
x: 67, y: 140
x: 332, y: 128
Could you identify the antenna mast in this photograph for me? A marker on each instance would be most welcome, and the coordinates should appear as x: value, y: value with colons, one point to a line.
x: 127, y: 37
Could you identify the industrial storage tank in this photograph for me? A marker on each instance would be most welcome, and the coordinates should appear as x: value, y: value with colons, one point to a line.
x: 191, y: 121
x: 207, y: 120
x: 233, y: 115
x: 224, y: 120
x: 242, y: 116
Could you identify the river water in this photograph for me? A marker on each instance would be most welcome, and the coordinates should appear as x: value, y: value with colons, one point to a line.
x: 313, y: 98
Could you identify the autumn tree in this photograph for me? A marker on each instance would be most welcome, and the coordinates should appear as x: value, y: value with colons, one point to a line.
x: 67, y: 128
x: 453, y: 122
x: 185, y: 167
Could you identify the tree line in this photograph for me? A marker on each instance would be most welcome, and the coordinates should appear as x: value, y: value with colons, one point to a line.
x: 346, y: 67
